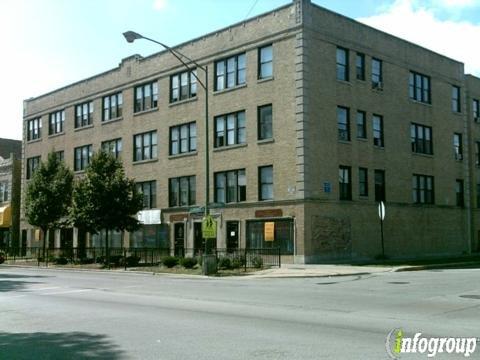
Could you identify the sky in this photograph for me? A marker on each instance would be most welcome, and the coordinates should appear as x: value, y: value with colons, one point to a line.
x: 47, y: 44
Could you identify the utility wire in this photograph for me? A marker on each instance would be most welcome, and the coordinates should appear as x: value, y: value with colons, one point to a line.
x: 249, y: 11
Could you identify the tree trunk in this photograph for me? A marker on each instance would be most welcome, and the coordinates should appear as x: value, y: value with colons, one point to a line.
x: 107, y: 250
x: 44, y: 232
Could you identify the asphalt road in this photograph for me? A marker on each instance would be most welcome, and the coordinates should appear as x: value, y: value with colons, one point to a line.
x: 58, y: 314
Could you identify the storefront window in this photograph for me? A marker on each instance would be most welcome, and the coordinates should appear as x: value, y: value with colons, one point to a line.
x: 151, y: 236
x: 283, y: 235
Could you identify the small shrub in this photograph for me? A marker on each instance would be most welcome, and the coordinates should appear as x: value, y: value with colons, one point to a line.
x: 257, y: 262
x: 170, y: 261
x: 238, y: 262
x: 224, y: 263
x: 61, y: 260
x: 87, y: 261
x: 188, y: 262
x: 133, y: 260
x: 2, y: 257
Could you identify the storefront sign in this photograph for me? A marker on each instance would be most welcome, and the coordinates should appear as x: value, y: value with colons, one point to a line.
x: 178, y: 217
x: 150, y: 217
x: 269, y: 231
x: 268, y: 213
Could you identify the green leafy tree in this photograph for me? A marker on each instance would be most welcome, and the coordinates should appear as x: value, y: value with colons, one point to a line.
x: 49, y: 195
x: 105, y: 199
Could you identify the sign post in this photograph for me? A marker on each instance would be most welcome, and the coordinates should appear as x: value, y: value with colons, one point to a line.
x: 381, y: 215
x: 209, y: 229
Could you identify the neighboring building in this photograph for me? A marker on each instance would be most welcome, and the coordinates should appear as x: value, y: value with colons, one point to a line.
x: 10, y: 182
x: 314, y: 119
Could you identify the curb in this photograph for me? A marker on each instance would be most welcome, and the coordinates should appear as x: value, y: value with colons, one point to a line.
x: 471, y: 264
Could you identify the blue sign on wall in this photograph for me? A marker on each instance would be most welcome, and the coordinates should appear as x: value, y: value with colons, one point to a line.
x: 327, y: 187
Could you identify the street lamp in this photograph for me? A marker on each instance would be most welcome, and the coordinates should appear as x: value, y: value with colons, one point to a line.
x: 131, y: 36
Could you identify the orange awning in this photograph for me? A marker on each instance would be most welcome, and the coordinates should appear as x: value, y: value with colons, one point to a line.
x: 5, y: 216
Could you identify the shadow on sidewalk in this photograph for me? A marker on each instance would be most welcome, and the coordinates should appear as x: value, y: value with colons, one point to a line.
x: 71, y: 345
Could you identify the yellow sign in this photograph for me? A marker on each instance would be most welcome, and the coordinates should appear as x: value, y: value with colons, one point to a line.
x: 209, y: 228
x: 269, y: 231
x: 5, y: 216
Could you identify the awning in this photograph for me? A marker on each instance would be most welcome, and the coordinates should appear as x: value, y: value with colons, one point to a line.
x: 5, y: 216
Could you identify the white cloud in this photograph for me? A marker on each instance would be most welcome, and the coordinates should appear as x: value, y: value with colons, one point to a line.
x: 162, y: 4
x: 455, y: 39
x: 457, y: 3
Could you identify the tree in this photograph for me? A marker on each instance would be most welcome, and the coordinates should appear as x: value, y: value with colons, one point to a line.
x: 105, y: 198
x: 49, y: 195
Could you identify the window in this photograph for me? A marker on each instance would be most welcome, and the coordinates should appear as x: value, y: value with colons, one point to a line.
x: 146, y: 97
x: 378, y: 131
x: 423, y: 189
x: 182, y: 191
x: 342, y: 64
x: 265, y: 126
x: 60, y: 155
x: 283, y: 235
x: 476, y: 110
x: 183, y: 138
x: 360, y: 66
x: 458, y: 146
x: 55, y: 125
x: 361, y: 125
x: 459, y: 193
x: 362, y: 181
x: 477, y: 153
x: 113, y: 147
x: 112, y: 106
x: 32, y: 165
x: 230, y: 129
x: 421, y: 139
x: 183, y: 86
x: 34, y: 129
x: 265, y: 183
x: 265, y: 62
x: 83, y: 154
x: 149, y: 191
x: 4, y: 196
x: 380, y: 193
x: 230, y: 186
x: 343, y: 122
x: 456, y: 99
x: 145, y: 146
x: 345, y: 183
x: 83, y: 114
x: 230, y: 72
x: 377, y: 76
x: 419, y: 87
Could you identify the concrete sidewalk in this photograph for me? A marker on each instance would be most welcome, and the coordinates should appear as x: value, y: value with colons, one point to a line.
x: 293, y: 271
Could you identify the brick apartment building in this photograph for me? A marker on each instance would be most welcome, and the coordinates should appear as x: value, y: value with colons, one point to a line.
x: 10, y: 183
x: 315, y: 118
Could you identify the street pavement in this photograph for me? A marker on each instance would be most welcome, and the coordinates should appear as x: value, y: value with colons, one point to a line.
x: 63, y: 314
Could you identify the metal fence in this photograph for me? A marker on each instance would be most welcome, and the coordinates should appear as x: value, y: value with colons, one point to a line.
x: 130, y: 257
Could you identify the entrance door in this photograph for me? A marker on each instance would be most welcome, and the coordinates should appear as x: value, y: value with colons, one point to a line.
x: 179, y: 234
x: 198, y: 241
x: 232, y: 236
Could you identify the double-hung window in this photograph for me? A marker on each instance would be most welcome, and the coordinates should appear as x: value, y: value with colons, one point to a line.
x: 56, y: 121
x: 419, y: 87
x: 182, y: 191
x: 265, y: 123
x: 32, y: 165
x: 380, y: 192
x: 230, y: 186
x: 265, y: 183
x: 360, y: 66
x: 421, y: 139
x: 343, y: 121
x: 230, y: 129
x: 362, y: 181
x: 4, y: 192
x: 34, y: 129
x: 183, y: 86
x: 230, y: 72
x: 345, y: 182
x: 377, y: 74
x: 83, y: 114
x: 456, y: 99
x: 361, y: 124
x: 459, y: 192
x: 113, y: 147
x: 476, y: 110
x: 183, y: 138
x: 423, y: 189
x: 149, y: 191
x: 265, y: 62
x: 457, y: 146
x: 60, y: 155
x: 342, y: 64
x: 146, y: 96
x: 83, y: 155
x: 112, y: 106
x: 145, y: 146
x: 378, y: 138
